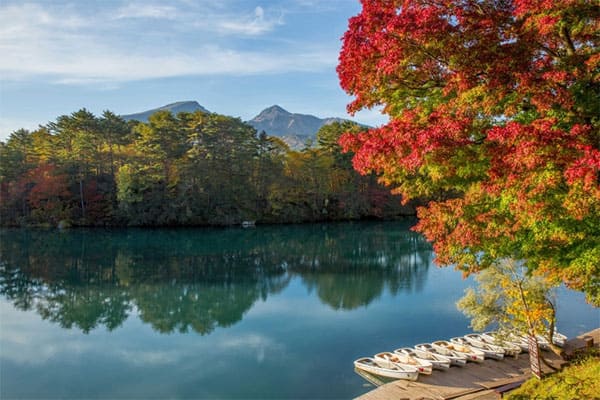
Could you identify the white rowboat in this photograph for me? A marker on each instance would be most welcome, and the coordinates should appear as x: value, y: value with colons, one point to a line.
x: 390, y: 370
x: 438, y: 361
x: 490, y: 350
x: 510, y: 349
x: 469, y: 352
x: 519, y: 340
x: 455, y: 358
x: 424, y: 367
x: 558, y: 338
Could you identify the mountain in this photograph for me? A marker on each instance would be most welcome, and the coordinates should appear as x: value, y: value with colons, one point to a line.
x: 295, y: 129
x: 174, y: 108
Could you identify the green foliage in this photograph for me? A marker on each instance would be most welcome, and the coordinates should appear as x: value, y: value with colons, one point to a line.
x: 494, y: 120
x: 508, y: 296
x: 189, y: 169
x: 578, y: 381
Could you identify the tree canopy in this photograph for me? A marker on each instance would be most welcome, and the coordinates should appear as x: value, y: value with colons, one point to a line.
x: 186, y: 169
x: 494, y: 117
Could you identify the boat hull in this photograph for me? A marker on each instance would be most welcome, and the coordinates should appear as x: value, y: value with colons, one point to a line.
x: 510, y: 349
x: 371, y: 366
x: 468, y: 353
x: 437, y: 361
x: 455, y: 358
x: 401, y: 360
x: 489, y: 350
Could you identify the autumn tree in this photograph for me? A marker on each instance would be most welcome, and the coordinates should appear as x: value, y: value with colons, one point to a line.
x: 49, y: 190
x: 515, y: 301
x: 219, y: 165
x: 186, y: 169
x: 493, y: 110
x: 268, y: 169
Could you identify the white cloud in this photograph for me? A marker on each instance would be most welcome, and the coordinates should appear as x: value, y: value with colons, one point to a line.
x: 142, y: 10
x: 60, y: 45
x: 254, y: 343
x: 142, y: 357
x: 253, y: 25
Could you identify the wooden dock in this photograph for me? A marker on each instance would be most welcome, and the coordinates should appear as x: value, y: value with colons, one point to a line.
x: 475, y: 381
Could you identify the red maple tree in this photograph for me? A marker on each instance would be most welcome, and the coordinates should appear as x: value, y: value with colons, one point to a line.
x: 494, y: 118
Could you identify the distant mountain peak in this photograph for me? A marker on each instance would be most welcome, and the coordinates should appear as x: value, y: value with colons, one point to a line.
x: 181, y: 103
x: 277, y: 108
x: 173, y: 108
x: 295, y: 129
x: 272, y: 112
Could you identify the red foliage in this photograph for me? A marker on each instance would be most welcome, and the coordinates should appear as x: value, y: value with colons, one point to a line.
x: 48, y: 185
x: 494, y: 116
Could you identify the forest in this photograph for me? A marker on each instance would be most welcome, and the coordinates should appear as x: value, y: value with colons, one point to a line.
x: 189, y: 169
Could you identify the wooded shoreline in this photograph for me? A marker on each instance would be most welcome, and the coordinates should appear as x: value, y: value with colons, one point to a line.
x: 191, y: 169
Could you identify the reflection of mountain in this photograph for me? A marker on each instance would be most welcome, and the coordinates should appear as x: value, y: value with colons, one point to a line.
x: 181, y: 280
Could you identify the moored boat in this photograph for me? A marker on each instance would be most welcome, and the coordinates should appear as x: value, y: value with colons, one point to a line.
x: 489, y: 350
x: 455, y: 358
x: 543, y: 342
x: 510, y: 349
x: 391, y: 370
x: 423, y: 366
x: 520, y: 340
x: 375, y: 380
x: 438, y: 361
x: 469, y: 352
x: 558, y: 338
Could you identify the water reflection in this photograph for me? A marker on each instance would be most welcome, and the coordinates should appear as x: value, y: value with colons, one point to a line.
x: 201, y: 279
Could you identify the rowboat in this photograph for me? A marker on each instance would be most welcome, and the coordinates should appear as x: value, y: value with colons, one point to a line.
x: 520, y: 340
x: 543, y: 342
x: 474, y: 340
x: 373, y: 379
x: 510, y: 349
x: 558, y: 338
x: 455, y: 358
x: 396, y: 371
x: 437, y: 361
x: 423, y: 366
x: 469, y: 352
x: 402, y: 361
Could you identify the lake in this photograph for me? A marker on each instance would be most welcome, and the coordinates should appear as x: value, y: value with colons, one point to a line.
x: 265, y: 312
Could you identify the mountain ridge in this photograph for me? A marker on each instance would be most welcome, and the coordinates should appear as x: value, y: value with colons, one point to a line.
x: 293, y: 128
x: 174, y: 108
x: 277, y: 121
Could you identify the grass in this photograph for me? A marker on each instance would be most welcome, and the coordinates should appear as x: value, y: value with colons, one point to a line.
x: 580, y: 380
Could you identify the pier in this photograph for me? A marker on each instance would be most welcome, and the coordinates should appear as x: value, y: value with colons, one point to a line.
x: 476, y: 381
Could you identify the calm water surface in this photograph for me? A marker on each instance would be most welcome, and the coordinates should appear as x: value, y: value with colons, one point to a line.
x: 270, y: 312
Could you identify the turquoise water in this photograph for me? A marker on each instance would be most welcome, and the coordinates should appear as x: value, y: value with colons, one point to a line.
x: 267, y: 312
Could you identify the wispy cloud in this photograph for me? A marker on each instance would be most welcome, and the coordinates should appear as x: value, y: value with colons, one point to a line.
x: 251, y: 25
x: 143, y: 10
x: 64, y: 46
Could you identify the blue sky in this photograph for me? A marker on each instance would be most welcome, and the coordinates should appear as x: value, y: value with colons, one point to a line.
x: 234, y: 57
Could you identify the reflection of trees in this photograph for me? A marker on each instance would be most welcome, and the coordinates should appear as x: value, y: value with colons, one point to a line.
x: 85, y: 307
x: 354, y: 274
x: 201, y: 307
x: 200, y: 279
x: 346, y: 292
